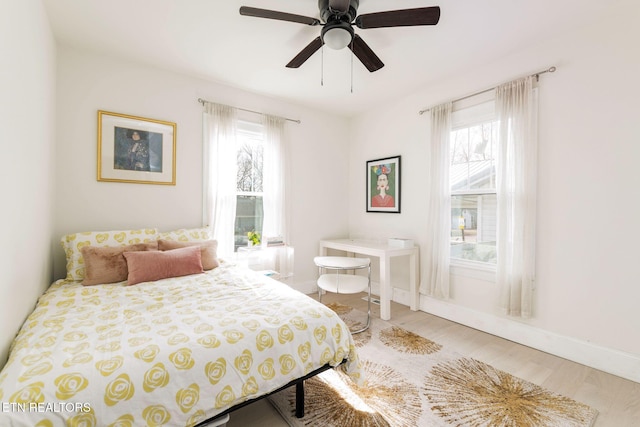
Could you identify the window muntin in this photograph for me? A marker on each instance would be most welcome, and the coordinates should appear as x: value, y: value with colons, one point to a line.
x: 472, y: 177
x: 250, y: 156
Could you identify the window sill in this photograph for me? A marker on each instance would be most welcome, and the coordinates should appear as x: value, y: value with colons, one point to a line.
x: 473, y: 269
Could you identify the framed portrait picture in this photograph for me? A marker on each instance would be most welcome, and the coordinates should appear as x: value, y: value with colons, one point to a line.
x: 136, y: 149
x: 383, y: 185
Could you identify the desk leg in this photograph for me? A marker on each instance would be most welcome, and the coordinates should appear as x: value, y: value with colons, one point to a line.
x: 385, y: 288
x: 413, y: 283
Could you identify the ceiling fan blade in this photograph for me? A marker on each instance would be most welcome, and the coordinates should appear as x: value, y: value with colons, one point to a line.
x: 400, y: 18
x: 339, y: 5
x: 364, y: 53
x: 280, y: 16
x: 305, y: 53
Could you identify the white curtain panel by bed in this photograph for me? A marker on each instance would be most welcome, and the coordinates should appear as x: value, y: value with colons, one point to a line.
x: 220, y: 170
x: 516, y: 106
x: 274, y: 178
x: 439, y: 210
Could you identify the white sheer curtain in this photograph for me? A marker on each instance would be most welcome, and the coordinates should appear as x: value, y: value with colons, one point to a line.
x: 516, y: 107
x: 220, y: 170
x: 439, y: 210
x: 274, y: 178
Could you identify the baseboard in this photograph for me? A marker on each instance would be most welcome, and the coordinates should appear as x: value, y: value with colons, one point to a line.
x: 605, y: 359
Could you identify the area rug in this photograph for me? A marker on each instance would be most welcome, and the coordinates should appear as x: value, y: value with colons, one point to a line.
x: 413, y: 381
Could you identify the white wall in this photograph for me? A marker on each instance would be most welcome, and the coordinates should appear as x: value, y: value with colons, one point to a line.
x: 587, y: 282
x: 88, y: 82
x: 27, y: 88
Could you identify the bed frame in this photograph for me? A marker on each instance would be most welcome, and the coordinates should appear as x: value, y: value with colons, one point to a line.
x: 299, y: 383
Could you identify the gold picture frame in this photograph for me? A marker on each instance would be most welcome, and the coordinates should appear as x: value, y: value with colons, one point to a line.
x: 136, y: 149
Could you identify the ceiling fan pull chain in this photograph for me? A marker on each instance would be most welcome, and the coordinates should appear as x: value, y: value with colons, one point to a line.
x: 322, y: 66
x: 351, y: 55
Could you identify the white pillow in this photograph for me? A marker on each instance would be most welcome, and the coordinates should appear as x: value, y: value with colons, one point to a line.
x: 72, y: 243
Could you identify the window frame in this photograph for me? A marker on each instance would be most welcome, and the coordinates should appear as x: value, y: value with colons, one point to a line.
x: 253, y: 132
x: 463, y: 116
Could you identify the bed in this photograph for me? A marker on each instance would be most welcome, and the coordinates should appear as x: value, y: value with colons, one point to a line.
x: 173, y: 351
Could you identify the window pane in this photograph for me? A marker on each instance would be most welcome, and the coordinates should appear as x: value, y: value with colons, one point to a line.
x: 248, y: 218
x: 249, y: 157
x: 473, y: 227
x: 473, y: 151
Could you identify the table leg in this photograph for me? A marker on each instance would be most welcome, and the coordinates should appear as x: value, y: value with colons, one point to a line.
x: 413, y: 283
x: 385, y: 288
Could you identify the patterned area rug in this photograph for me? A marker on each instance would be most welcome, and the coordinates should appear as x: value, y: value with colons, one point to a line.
x: 412, y: 381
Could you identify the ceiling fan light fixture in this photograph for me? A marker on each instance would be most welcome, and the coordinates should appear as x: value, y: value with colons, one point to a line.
x: 337, y: 36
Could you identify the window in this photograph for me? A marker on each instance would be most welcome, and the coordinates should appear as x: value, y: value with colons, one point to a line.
x: 250, y: 155
x: 472, y: 177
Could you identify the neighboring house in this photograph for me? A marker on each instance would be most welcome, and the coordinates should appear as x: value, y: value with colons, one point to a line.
x: 473, y: 219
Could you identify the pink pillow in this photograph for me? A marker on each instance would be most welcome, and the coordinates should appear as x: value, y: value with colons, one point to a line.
x: 150, y: 266
x: 106, y: 264
x: 208, y: 250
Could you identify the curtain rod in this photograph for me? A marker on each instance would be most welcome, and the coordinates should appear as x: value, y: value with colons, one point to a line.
x: 202, y: 101
x: 536, y: 75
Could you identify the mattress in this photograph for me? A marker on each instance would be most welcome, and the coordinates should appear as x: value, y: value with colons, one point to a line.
x: 174, y: 352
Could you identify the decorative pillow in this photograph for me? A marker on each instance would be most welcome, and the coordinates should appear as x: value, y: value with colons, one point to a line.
x: 72, y: 243
x: 208, y: 250
x: 156, y: 265
x: 106, y: 264
x: 187, y: 234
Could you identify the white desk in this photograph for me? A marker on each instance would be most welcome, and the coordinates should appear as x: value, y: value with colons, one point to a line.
x: 385, y: 253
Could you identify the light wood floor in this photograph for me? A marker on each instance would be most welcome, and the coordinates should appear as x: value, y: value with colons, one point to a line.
x: 616, y: 399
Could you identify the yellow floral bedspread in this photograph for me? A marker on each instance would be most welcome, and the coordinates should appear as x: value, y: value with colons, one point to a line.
x: 172, y: 352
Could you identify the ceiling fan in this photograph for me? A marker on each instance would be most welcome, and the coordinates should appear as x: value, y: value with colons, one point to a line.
x: 337, y: 18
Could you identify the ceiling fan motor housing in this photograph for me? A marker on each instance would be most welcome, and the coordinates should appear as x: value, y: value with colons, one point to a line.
x: 327, y: 14
x: 336, y: 18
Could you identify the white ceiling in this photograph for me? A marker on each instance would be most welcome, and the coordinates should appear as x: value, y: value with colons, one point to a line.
x: 209, y: 39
